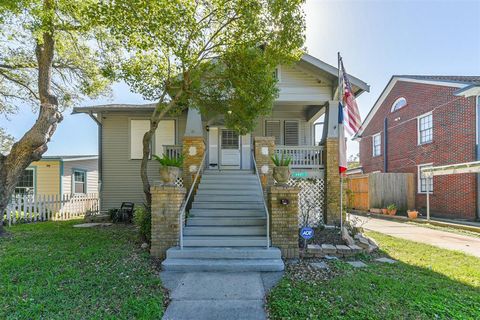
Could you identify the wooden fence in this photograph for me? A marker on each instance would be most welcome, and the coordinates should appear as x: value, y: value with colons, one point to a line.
x: 25, y: 209
x: 378, y: 190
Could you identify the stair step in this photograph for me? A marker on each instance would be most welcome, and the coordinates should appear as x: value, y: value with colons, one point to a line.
x: 227, y: 172
x: 227, y: 205
x: 223, y: 253
x: 230, y: 265
x: 230, y: 221
x: 227, y: 213
x: 228, y: 186
x: 224, y: 241
x: 218, y: 177
x: 225, y: 231
x: 246, y: 192
x: 229, y: 198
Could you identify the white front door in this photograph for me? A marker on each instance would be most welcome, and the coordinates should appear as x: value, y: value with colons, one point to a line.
x: 229, y: 149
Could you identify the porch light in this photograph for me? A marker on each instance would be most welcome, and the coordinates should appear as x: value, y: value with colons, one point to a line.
x: 229, y: 111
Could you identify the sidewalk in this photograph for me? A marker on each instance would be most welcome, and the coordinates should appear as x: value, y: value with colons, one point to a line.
x: 441, y: 239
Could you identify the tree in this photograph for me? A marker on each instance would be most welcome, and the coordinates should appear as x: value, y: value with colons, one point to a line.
x: 6, y: 141
x: 214, y: 55
x: 46, y: 62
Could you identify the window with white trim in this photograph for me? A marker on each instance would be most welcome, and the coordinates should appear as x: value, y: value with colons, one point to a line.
x: 26, y: 184
x: 376, y: 145
x: 398, y: 104
x: 424, y: 181
x: 79, y: 181
x: 230, y: 139
x: 425, y: 129
x: 137, y: 130
x: 291, y: 132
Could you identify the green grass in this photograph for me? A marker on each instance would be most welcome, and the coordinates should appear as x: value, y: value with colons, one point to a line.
x: 426, y: 283
x: 51, y: 270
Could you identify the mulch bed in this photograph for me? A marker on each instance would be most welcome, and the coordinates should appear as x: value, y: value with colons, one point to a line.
x: 302, y: 270
x: 321, y: 236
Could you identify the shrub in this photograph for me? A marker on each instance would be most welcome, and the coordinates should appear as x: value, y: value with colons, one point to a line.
x: 142, y: 217
x: 283, y: 161
x: 166, y: 160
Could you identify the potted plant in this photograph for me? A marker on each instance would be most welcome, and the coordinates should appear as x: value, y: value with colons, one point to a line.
x: 392, y: 209
x: 412, y: 214
x: 384, y: 211
x: 281, y: 171
x: 169, y: 168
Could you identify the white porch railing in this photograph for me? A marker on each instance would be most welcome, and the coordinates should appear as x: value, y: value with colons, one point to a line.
x: 173, y: 151
x: 304, y: 157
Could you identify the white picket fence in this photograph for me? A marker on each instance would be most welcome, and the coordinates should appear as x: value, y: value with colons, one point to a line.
x: 25, y: 209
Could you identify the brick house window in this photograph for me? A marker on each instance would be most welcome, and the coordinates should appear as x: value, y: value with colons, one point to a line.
x: 424, y: 181
x: 376, y: 145
x: 398, y: 104
x: 425, y: 129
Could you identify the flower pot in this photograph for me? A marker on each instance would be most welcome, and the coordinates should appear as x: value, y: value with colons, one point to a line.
x: 392, y: 212
x: 412, y: 214
x: 376, y: 210
x: 384, y: 211
x: 281, y: 175
x: 169, y: 175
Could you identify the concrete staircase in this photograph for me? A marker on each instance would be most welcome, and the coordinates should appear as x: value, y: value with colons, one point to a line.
x: 226, y: 227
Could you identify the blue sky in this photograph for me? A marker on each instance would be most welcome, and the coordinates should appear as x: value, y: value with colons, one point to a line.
x: 377, y: 38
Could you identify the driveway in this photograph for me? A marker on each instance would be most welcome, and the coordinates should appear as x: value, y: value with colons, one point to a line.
x: 441, y: 239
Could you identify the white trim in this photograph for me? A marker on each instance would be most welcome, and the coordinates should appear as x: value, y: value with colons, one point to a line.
x: 79, y: 159
x: 393, y: 81
x: 419, y: 143
x: 84, y: 172
x: 397, y: 101
x: 373, y: 144
x: 419, y: 185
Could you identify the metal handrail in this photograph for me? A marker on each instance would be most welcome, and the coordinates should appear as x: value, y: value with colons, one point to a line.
x: 187, y: 199
x: 263, y: 197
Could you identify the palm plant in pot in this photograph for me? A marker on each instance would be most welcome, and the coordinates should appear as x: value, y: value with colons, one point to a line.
x: 392, y: 209
x: 281, y: 171
x: 169, y: 168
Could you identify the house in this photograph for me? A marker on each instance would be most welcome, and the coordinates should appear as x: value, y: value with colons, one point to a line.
x: 307, y: 97
x: 423, y: 121
x: 60, y: 175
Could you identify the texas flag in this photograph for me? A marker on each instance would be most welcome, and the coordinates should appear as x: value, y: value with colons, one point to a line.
x: 342, y: 145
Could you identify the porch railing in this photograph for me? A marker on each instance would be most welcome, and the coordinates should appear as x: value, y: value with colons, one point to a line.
x: 173, y: 151
x: 303, y: 157
x: 263, y: 198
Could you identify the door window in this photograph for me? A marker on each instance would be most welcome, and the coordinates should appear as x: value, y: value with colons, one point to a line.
x: 229, y: 139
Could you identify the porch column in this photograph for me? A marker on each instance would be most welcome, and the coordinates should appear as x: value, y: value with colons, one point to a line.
x: 193, y: 147
x: 332, y: 176
x: 264, y: 150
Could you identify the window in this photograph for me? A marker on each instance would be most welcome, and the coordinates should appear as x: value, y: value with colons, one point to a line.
x: 137, y: 130
x: 424, y: 181
x: 26, y: 184
x: 272, y: 129
x: 425, y: 129
x: 399, y: 103
x: 229, y: 139
x: 276, y: 74
x: 164, y: 135
x: 79, y: 181
x: 376, y: 145
x: 291, y: 131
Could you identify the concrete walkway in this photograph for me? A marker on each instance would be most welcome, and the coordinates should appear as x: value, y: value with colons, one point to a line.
x: 441, y: 239
x: 217, y: 295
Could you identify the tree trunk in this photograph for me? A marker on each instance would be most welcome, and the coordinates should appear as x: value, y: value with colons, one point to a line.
x: 33, y: 144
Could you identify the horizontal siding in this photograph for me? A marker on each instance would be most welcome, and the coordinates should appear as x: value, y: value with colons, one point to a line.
x: 47, y: 177
x: 90, y: 166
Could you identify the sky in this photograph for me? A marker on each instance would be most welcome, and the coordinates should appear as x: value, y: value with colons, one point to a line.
x: 376, y: 38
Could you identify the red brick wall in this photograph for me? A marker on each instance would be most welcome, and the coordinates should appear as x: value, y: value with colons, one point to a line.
x: 453, y: 142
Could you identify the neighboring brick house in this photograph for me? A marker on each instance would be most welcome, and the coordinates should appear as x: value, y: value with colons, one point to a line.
x: 422, y: 121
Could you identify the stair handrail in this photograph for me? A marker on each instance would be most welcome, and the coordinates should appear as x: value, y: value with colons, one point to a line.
x: 263, y: 198
x: 187, y: 199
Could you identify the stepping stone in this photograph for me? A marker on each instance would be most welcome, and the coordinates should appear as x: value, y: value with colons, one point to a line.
x: 331, y: 258
x: 329, y: 248
x: 386, y: 260
x: 91, y: 225
x: 319, y: 265
x: 357, y: 264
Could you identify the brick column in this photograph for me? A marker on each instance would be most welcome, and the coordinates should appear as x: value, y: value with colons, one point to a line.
x: 166, y: 203
x: 193, y: 151
x: 284, y: 219
x: 264, y: 149
x: 332, y: 179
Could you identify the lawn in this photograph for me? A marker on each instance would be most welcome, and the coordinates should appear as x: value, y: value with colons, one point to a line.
x: 425, y: 283
x: 51, y: 270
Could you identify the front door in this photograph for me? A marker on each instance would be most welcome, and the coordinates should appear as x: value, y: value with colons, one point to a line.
x: 229, y: 149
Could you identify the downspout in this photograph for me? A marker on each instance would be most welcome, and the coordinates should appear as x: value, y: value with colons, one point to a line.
x: 100, y: 157
x: 385, y: 145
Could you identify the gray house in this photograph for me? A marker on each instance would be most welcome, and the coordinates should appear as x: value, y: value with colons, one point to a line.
x: 299, y: 122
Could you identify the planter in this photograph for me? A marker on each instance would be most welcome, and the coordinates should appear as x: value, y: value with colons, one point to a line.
x: 281, y: 175
x: 169, y: 175
x: 392, y: 212
x: 412, y: 214
x: 384, y: 211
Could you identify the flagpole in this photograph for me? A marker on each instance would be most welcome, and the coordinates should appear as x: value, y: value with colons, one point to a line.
x: 340, y: 127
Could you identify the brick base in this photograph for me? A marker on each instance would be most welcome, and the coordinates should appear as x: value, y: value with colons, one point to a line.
x: 193, y: 151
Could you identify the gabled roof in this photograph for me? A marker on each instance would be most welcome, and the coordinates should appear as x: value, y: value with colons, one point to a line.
x: 70, y: 157
x: 460, y: 82
x: 313, y: 64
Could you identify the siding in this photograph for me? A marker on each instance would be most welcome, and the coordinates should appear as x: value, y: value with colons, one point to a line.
x: 47, y: 177
x: 90, y: 166
x: 296, y: 84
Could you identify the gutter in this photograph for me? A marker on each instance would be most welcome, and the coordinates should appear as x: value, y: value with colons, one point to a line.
x: 385, y: 145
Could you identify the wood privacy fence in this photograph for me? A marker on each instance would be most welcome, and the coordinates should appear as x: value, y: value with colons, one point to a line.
x: 25, y: 209
x: 378, y: 190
